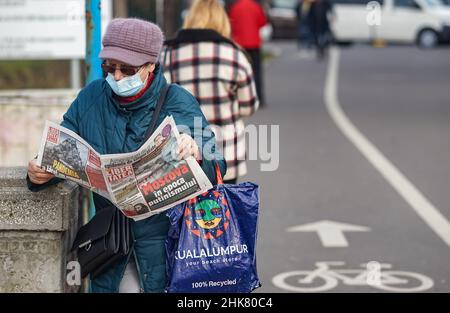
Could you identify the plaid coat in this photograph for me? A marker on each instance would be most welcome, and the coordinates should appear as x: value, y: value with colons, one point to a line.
x: 217, y: 72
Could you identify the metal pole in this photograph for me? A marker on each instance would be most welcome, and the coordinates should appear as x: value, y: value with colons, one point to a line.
x: 93, y: 40
x: 93, y: 62
x: 93, y: 72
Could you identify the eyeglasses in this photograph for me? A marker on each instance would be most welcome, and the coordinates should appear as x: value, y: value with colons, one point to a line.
x: 126, y: 70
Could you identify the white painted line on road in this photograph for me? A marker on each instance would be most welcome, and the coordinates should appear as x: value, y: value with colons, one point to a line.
x: 423, y: 207
x: 325, y: 278
x: 331, y: 233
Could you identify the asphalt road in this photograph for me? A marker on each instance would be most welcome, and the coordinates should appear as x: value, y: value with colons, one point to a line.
x: 398, y: 99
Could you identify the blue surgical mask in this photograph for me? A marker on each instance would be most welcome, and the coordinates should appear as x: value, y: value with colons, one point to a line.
x: 126, y: 87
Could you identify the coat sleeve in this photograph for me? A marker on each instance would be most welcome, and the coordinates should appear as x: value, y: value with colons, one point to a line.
x: 190, y: 119
x: 38, y: 187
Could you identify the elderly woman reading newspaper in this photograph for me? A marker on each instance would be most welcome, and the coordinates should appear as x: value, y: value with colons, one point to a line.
x: 112, y: 115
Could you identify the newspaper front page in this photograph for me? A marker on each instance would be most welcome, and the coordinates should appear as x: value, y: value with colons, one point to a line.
x: 141, y: 183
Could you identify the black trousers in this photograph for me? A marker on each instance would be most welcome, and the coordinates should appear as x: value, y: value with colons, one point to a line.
x: 255, y: 58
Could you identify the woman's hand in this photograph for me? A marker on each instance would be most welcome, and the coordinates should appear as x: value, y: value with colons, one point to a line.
x: 38, y: 175
x: 187, y: 147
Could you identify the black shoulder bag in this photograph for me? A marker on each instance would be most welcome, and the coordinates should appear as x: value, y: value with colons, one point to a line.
x: 107, y: 237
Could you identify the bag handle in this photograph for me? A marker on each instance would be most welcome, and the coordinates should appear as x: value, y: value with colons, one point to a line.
x: 218, y: 174
x: 159, y: 105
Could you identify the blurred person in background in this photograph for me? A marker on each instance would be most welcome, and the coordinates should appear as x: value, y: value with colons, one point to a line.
x: 320, y: 14
x: 247, y: 17
x: 203, y: 59
x: 314, y: 30
x: 305, y: 37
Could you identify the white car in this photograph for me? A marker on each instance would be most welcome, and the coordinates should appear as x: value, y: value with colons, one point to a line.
x: 425, y: 22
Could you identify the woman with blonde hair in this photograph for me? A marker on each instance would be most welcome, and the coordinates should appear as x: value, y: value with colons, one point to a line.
x: 204, y: 60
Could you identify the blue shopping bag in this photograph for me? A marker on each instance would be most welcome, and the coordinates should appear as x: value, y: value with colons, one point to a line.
x: 212, y: 239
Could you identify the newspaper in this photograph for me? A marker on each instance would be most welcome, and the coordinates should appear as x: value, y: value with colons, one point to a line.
x: 141, y: 183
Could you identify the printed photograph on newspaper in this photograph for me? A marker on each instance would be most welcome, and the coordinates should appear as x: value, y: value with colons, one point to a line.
x: 66, y: 155
x: 141, y: 183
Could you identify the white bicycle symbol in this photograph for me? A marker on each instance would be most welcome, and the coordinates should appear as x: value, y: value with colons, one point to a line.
x: 323, y: 278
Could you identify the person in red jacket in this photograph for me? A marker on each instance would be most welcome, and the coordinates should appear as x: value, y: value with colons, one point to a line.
x: 247, y: 17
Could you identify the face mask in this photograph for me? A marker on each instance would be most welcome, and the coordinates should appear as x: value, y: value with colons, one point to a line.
x: 126, y: 87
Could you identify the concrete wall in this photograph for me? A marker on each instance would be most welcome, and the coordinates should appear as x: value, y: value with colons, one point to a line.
x: 36, y: 232
x: 22, y: 119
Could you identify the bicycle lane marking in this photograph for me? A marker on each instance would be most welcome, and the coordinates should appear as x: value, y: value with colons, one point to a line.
x: 389, y: 280
x: 411, y: 194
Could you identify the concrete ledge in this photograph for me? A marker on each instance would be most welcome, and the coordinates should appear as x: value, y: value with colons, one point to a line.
x: 21, y: 209
x: 36, y: 233
x: 31, y: 262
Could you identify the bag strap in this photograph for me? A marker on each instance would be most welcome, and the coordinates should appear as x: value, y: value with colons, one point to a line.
x: 159, y: 105
x: 218, y: 174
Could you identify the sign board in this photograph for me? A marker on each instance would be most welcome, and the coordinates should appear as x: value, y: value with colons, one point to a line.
x: 45, y: 29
